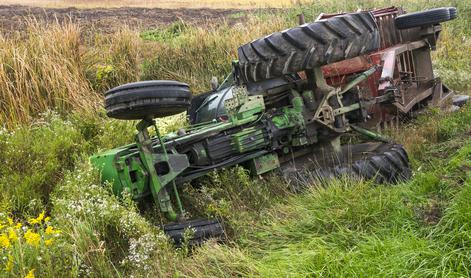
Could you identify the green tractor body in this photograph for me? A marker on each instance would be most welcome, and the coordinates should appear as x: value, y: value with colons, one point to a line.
x: 278, y: 110
x: 250, y: 136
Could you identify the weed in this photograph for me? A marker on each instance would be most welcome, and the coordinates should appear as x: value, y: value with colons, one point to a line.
x: 343, y: 228
x: 49, y: 68
x: 108, y: 237
x: 166, y: 34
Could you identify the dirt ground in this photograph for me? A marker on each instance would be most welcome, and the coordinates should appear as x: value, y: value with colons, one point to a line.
x: 165, y: 4
x: 13, y: 17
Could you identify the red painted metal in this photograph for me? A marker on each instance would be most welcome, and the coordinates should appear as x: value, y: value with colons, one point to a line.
x: 337, y: 73
x: 394, y: 61
x: 403, y: 69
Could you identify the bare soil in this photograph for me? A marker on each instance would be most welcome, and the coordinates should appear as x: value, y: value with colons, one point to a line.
x: 14, y: 17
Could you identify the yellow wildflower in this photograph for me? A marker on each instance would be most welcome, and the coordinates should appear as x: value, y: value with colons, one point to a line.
x: 18, y: 225
x: 32, y: 238
x: 30, y: 274
x: 9, y: 265
x: 48, y: 241
x: 47, y: 219
x: 12, y: 235
x: 51, y: 231
x: 38, y: 219
x: 4, y: 242
x: 10, y: 221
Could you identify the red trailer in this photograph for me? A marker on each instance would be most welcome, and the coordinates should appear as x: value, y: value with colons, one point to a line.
x: 403, y: 68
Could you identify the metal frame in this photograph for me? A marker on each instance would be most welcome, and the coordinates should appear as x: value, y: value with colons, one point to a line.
x: 404, y: 68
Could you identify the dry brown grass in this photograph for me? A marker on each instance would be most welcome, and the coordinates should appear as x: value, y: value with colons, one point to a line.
x: 42, y: 71
x: 202, y: 52
x: 51, y: 67
x: 56, y: 67
x: 176, y: 4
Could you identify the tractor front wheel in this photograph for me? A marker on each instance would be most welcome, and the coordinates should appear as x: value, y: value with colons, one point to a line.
x: 147, y: 99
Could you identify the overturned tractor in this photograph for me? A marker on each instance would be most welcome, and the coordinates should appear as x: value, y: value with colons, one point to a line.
x: 285, y: 105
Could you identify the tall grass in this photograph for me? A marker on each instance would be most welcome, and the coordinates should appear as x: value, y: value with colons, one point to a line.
x: 36, y: 157
x: 42, y: 71
x: 52, y: 67
x: 343, y: 228
x: 195, y: 54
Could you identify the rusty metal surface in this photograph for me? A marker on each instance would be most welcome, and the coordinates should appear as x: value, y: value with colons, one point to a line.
x: 403, y: 64
x: 389, y: 34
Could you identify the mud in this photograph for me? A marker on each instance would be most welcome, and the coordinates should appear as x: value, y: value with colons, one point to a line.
x: 14, y: 17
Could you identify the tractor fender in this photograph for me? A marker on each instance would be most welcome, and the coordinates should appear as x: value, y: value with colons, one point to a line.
x: 209, y: 106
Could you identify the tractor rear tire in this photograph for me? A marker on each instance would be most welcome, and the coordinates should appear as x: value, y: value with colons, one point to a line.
x: 453, y: 12
x: 203, y: 229
x: 154, y: 99
x: 425, y: 18
x: 309, y: 45
x: 381, y: 162
x: 388, y: 163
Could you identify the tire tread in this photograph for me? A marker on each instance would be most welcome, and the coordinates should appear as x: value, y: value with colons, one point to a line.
x: 307, y: 46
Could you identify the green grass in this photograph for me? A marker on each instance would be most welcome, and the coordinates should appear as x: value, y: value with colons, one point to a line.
x: 169, y: 33
x: 35, y: 158
x: 343, y: 228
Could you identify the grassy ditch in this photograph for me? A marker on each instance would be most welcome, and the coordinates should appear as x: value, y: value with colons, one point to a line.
x: 347, y: 228
x: 56, y: 218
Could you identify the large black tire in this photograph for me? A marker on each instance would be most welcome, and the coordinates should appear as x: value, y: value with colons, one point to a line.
x: 388, y: 163
x: 453, y: 12
x: 383, y: 162
x: 308, y: 46
x: 159, y: 98
x: 204, y: 229
x: 425, y: 18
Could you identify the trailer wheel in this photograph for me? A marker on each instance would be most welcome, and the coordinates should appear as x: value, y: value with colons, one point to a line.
x: 203, y: 229
x: 424, y: 18
x: 309, y: 45
x: 158, y: 98
x: 382, y: 162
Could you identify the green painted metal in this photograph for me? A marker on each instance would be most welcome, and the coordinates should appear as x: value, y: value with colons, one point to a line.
x: 249, y: 139
x: 291, y: 116
x: 326, y: 115
x: 172, y: 171
x: 251, y: 135
x: 370, y: 134
x: 361, y: 77
x: 263, y: 164
x: 113, y: 170
x: 346, y: 109
x: 144, y: 144
x: 241, y: 106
